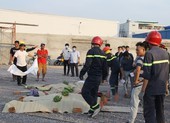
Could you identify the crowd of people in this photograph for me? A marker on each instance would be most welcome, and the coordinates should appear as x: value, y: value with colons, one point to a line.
x: 148, y: 73
x: 19, y: 53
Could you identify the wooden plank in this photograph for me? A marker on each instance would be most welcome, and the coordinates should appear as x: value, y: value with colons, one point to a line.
x: 119, y: 109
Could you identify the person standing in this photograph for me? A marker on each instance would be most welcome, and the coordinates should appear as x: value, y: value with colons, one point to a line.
x: 138, y: 81
x: 126, y: 65
x: 21, y: 63
x: 96, y: 67
x: 156, y: 74
x: 13, y: 51
x: 42, y: 61
x: 119, y: 53
x: 113, y: 80
x: 66, y: 54
x: 108, y: 57
x: 74, y: 61
x: 128, y: 49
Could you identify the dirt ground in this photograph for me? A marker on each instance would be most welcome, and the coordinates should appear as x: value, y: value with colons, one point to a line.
x: 55, y: 75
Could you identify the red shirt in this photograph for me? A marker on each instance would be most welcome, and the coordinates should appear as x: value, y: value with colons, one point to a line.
x: 42, y: 53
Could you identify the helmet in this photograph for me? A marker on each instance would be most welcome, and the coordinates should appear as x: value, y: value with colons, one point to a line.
x: 21, y: 43
x: 106, y: 49
x: 97, y: 40
x: 154, y: 37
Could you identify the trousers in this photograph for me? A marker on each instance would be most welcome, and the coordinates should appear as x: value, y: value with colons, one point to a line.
x: 134, y: 103
x: 154, y: 108
x: 24, y: 78
x: 90, y: 89
x: 66, y: 64
x: 74, y: 65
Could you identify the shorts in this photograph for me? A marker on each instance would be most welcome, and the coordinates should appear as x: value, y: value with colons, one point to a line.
x: 42, y: 67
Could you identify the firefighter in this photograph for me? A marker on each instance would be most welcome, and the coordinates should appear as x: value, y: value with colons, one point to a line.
x: 108, y: 54
x: 167, y: 82
x: 113, y: 81
x: 156, y: 74
x: 96, y: 68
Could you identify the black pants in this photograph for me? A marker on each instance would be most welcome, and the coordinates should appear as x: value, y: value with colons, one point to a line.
x: 154, y: 108
x: 14, y: 76
x: 24, y: 79
x: 66, y: 64
x: 113, y: 81
x: 74, y: 65
x: 90, y: 89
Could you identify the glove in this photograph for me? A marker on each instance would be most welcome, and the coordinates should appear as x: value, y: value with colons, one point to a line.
x: 81, y: 77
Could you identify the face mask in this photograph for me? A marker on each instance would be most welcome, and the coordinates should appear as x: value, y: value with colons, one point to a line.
x: 74, y: 49
x: 66, y: 47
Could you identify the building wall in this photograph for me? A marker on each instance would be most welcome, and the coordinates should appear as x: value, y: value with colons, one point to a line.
x: 61, y: 25
x: 132, y: 27
x: 55, y: 44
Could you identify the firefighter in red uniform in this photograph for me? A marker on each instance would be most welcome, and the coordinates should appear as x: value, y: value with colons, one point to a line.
x: 156, y: 74
x: 96, y: 68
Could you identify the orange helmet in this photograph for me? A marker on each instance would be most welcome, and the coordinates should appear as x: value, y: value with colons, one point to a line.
x: 106, y: 49
x: 154, y: 37
x: 97, y: 40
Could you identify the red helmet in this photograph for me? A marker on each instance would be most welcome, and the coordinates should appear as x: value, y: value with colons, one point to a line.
x: 154, y: 37
x: 97, y: 40
x: 106, y: 49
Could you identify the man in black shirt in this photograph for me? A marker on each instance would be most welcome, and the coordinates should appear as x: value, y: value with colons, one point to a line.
x: 13, y: 51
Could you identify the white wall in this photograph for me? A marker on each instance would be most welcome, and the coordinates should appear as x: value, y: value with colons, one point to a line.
x: 52, y: 24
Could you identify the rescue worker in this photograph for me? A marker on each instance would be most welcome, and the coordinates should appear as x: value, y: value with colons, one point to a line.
x: 96, y: 67
x: 156, y: 73
x: 167, y: 83
x: 113, y: 81
x: 108, y: 56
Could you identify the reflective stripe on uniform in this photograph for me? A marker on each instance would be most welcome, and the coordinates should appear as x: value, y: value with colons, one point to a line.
x: 111, y: 58
x: 95, y: 56
x: 112, y: 88
x: 156, y: 62
x: 95, y: 105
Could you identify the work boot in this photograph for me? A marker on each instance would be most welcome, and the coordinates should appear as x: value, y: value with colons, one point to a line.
x: 95, y: 110
x: 90, y: 112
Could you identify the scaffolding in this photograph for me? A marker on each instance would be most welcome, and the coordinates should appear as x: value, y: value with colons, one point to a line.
x: 7, y: 38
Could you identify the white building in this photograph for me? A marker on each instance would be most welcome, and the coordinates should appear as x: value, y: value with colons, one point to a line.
x: 136, y: 27
x: 53, y: 24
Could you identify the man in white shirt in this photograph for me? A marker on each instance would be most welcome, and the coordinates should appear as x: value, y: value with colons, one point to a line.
x: 66, y: 54
x: 74, y: 60
x: 21, y: 64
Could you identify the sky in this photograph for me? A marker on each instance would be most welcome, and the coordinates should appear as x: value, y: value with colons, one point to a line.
x: 115, y: 10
